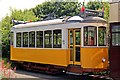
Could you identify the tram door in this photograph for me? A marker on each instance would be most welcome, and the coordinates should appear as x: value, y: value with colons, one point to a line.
x: 74, y: 43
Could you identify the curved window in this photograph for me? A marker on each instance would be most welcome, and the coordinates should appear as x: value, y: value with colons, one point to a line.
x: 102, y: 36
x: 18, y: 40
x: 39, y: 39
x: 48, y: 39
x: 25, y: 39
x: 32, y: 39
x: 57, y: 38
x: 90, y: 38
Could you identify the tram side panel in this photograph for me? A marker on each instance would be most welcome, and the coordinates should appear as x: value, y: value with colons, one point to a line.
x: 94, y: 58
x: 44, y: 56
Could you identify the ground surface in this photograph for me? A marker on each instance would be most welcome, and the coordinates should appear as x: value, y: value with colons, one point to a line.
x: 43, y: 76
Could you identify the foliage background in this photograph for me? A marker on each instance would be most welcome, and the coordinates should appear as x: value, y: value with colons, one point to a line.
x: 42, y: 11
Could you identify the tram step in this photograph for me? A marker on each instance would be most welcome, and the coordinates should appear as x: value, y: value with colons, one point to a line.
x: 74, y: 69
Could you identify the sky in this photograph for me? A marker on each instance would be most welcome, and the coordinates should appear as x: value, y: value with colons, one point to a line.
x: 5, y: 5
x: 18, y: 4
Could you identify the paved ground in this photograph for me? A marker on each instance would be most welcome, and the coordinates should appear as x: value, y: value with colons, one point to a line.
x: 44, y: 76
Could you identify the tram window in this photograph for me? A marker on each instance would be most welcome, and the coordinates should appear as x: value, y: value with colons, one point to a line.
x: 101, y: 36
x: 57, y: 39
x: 18, y: 40
x: 90, y: 38
x: 71, y: 37
x: 77, y: 37
x: 48, y: 39
x: 25, y: 39
x: 39, y: 39
x: 32, y: 39
x: 12, y: 38
x: 116, y: 35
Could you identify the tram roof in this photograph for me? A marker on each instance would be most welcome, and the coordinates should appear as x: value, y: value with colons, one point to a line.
x: 61, y: 21
x: 39, y: 23
x: 94, y: 19
x: 75, y: 18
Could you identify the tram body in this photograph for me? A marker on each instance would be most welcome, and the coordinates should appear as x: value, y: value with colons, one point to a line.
x: 70, y: 45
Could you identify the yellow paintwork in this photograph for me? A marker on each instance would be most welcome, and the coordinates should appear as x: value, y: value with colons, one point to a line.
x: 45, y: 56
x: 92, y: 57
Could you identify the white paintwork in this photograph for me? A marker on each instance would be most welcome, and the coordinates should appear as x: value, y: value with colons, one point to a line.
x: 53, y: 25
x: 82, y: 39
x: 40, y: 23
x: 75, y: 18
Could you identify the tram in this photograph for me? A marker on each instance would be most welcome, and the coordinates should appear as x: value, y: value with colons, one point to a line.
x: 72, y: 44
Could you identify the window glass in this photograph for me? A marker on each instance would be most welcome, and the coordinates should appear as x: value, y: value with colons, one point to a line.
x: 90, y: 36
x: 48, y: 39
x: 77, y: 37
x: 25, y: 39
x: 116, y: 35
x: 39, y: 39
x: 12, y: 38
x: 32, y: 39
x: 71, y: 37
x: 101, y: 36
x: 18, y: 40
x: 71, y: 53
x: 57, y: 39
x: 116, y: 28
x: 116, y: 39
x: 77, y: 54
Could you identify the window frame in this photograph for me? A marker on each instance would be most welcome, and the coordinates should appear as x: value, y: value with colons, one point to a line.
x: 104, y: 37
x: 26, y: 38
x: 57, y: 37
x: 39, y: 38
x: 114, y: 32
x: 95, y: 43
x: 20, y: 39
x: 31, y: 40
x: 49, y: 37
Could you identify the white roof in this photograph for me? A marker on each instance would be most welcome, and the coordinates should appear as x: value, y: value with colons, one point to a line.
x: 75, y: 18
x: 40, y: 23
x: 95, y: 19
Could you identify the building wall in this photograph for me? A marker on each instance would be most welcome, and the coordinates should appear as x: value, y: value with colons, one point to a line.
x: 114, y: 12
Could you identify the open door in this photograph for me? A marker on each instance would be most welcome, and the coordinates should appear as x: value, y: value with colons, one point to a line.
x: 74, y: 43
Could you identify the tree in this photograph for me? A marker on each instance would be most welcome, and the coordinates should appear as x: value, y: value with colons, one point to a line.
x: 6, y: 25
x: 24, y: 15
x: 56, y: 9
x: 99, y: 6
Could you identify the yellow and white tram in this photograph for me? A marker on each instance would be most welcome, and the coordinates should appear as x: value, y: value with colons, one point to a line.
x: 74, y: 45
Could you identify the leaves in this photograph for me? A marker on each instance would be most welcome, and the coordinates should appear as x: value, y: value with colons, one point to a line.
x: 6, y: 24
x: 24, y: 15
x: 99, y: 6
x: 56, y: 9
